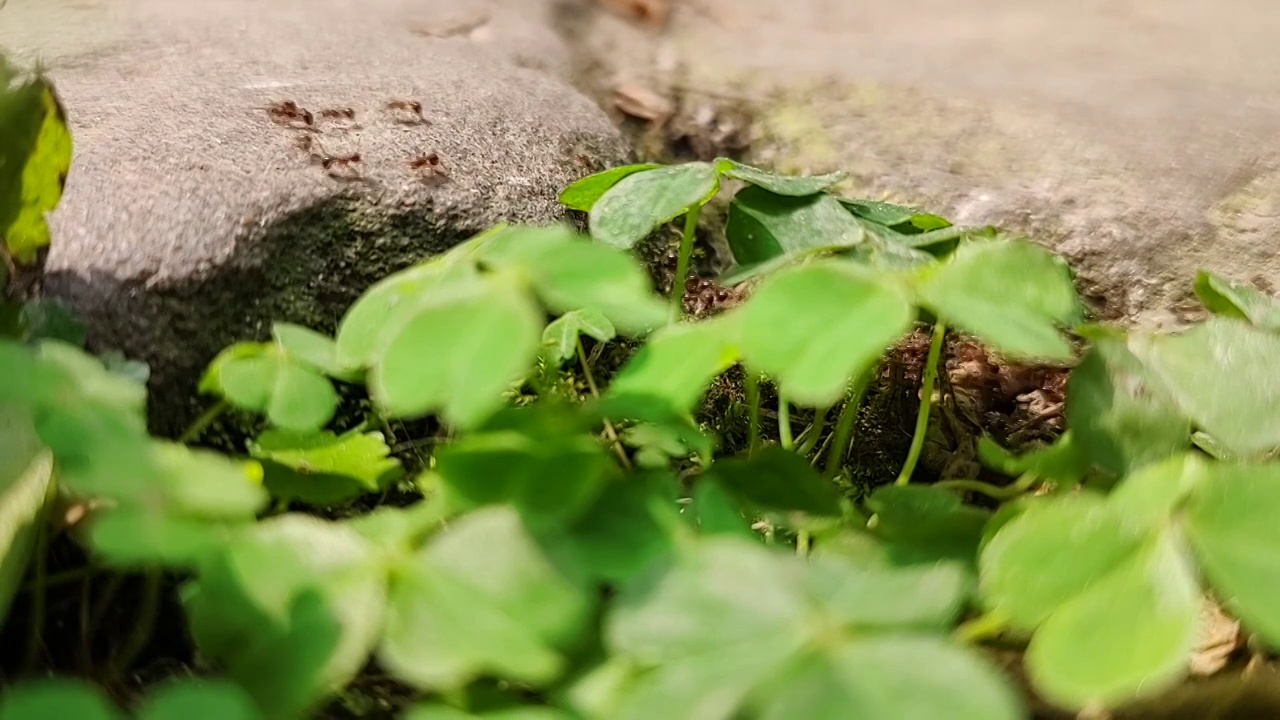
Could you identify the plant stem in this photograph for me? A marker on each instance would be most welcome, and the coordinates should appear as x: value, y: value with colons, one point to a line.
x: 1024, y: 483
x: 926, y: 403
x: 202, y: 423
x: 138, y: 639
x: 802, y: 543
x: 809, y: 437
x: 682, y: 261
x: 844, y: 426
x: 609, y: 430
x: 753, y: 397
x: 784, y: 423
x: 35, y: 633
x: 979, y: 628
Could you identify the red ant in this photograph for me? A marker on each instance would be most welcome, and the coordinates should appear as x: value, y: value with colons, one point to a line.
x: 429, y: 164
x: 289, y: 113
x: 412, y: 106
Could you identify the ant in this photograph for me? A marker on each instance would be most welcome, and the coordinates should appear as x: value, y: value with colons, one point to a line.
x: 429, y: 164
x: 412, y: 106
x: 338, y: 113
x: 289, y: 113
x: 332, y: 163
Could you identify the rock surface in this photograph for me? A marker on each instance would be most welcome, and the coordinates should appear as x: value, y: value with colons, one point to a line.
x: 192, y: 218
x: 1141, y: 140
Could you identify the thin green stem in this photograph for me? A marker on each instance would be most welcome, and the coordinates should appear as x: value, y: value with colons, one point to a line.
x: 999, y: 492
x: 809, y: 437
x: 802, y: 543
x: 59, y: 578
x: 753, y: 398
x: 682, y: 261
x: 926, y: 403
x: 844, y: 426
x: 979, y: 628
x: 609, y: 430
x: 35, y: 633
x: 202, y: 423
x: 141, y: 633
x: 784, y: 423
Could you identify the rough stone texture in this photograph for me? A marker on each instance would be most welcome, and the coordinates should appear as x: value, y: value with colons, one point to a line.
x: 192, y: 220
x: 1140, y: 139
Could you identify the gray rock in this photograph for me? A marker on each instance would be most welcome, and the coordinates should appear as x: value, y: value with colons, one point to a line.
x: 191, y: 219
x: 1141, y: 140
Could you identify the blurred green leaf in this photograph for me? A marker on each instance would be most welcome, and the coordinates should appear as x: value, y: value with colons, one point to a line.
x: 1221, y: 374
x: 929, y: 521
x: 1110, y: 595
x: 627, y: 529
x: 715, y: 643
x: 1120, y: 414
x: 642, y: 202
x: 561, y: 336
x: 198, y: 700
x: 1231, y: 523
x: 26, y: 475
x: 291, y: 608
x: 778, y: 480
x: 56, y: 698
x: 569, y: 272
x: 1011, y: 294
x: 457, y: 354
x: 583, y: 194
x: 362, y: 460
x: 1062, y: 462
x: 482, y: 597
x: 817, y: 327
x: 679, y: 361
x: 262, y: 377
x: 1231, y: 299
x: 549, y: 473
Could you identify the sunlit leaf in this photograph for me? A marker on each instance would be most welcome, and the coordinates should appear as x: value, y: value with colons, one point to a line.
x: 198, y: 700
x: 678, y: 362
x: 793, y: 185
x: 642, y: 202
x: 361, y: 457
x: 1225, y: 297
x: 561, y: 336
x: 898, y: 217
x: 26, y: 472
x: 815, y: 328
x: 583, y: 194
x: 35, y: 155
x: 1012, y: 294
x: 458, y: 354
x: 56, y: 698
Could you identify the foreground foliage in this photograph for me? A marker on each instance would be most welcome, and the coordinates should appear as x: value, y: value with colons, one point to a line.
x: 598, y: 554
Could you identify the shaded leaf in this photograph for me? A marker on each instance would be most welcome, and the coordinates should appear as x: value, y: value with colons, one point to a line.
x: 642, y: 202
x: 1062, y: 462
x: 764, y: 226
x: 930, y: 521
x: 778, y: 480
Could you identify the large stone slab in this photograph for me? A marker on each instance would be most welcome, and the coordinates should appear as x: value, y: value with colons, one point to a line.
x: 192, y: 218
x: 1140, y: 139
